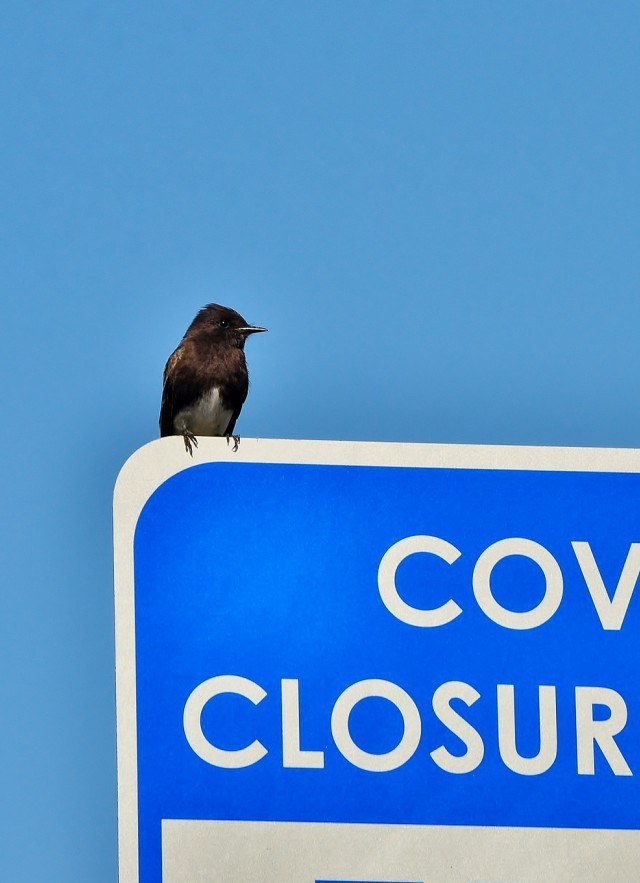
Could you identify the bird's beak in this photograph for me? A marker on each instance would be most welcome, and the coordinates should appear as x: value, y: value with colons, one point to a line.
x: 251, y: 329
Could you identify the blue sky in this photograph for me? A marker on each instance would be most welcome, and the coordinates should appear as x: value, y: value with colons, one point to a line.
x: 433, y: 207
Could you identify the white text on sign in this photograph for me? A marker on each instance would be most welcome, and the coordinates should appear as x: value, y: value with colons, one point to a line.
x: 590, y: 729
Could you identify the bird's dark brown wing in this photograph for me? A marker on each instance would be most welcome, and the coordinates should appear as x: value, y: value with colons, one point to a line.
x: 180, y: 387
x: 236, y: 385
x: 232, y: 422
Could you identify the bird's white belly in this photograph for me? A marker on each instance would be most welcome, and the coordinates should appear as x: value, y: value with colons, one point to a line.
x: 207, y: 416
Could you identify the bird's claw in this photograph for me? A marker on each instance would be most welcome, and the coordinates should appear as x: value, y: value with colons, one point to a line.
x: 236, y: 442
x: 190, y: 442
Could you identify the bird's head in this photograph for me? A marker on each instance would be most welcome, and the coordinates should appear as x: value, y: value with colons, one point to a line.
x: 222, y: 324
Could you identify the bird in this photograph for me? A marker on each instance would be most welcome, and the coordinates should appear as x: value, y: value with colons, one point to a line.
x: 205, y: 380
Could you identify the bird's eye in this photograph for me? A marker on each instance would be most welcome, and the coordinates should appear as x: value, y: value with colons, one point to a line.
x: 224, y: 323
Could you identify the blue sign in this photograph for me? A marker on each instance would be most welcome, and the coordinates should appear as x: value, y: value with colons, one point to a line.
x: 413, y: 645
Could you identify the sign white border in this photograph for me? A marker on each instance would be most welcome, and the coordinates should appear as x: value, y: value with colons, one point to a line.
x: 153, y: 464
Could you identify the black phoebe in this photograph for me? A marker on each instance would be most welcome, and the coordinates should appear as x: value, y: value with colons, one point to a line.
x: 206, y: 380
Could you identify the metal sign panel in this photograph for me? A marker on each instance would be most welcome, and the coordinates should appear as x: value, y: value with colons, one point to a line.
x: 377, y: 662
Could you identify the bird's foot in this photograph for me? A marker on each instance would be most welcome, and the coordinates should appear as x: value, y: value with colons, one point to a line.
x: 189, y: 441
x: 236, y: 441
